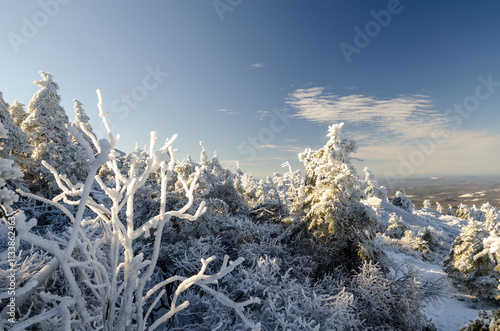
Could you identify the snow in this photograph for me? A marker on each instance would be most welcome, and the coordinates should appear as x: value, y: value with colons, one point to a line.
x: 451, y: 311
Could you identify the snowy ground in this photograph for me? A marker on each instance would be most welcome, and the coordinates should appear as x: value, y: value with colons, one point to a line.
x: 454, y: 309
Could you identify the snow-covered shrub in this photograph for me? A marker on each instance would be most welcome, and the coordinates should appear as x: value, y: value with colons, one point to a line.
x: 470, y: 213
x: 105, y: 271
x: 402, y: 201
x: 474, y: 275
x: 486, y: 321
x: 397, y: 227
x: 417, y: 243
x: 393, y: 303
x: 427, y: 204
x: 451, y: 211
x: 293, y: 304
x: 477, y: 214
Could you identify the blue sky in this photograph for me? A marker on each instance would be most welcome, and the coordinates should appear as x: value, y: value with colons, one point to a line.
x: 417, y: 83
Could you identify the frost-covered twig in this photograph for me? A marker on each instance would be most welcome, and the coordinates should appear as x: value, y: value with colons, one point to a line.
x: 203, y: 280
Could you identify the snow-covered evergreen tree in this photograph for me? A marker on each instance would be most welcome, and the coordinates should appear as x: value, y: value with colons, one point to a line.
x: 451, y: 211
x: 427, y: 204
x: 475, y: 275
x: 46, y: 129
x: 17, y: 112
x: 8, y: 171
x: 81, y: 118
x: 492, y: 216
x: 16, y: 144
x: 402, y: 201
x: 439, y: 208
x: 333, y: 204
x: 203, y: 155
x: 373, y: 189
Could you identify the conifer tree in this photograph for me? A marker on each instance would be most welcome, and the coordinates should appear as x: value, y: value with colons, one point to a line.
x: 81, y: 118
x: 17, y: 113
x: 373, y: 189
x: 475, y: 275
x: 439, y: 208
x: 492, y: 216
x: 16, y: 144
x: 46, y: 129
x: 427, y: 204
x: 8, y: 171
x: 333, y: 206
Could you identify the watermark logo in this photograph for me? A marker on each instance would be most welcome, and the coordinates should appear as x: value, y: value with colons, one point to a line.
x: 224, y: 6
x: 454, y: 117
x: 372, y: 29
x: 10, y: 308
x: 31, y: 27
x: 265, y: 136
x: 137, y: 94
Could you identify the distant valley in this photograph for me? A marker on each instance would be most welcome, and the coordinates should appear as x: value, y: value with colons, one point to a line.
x: 470, y: 190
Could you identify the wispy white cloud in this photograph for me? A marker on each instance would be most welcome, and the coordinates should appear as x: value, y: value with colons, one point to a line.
x: 271, y: 146
x: 256, y: 66
x: 391, y: 129
x: 292, y: 149
x: 228, y: 111
x: 403, y: 117
x: 263, y: 114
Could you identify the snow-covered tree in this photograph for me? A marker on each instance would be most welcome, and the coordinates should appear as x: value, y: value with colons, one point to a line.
x: 475, y: 275
x: 402, y: 201
x: 17, y: 112
x: 16, y: 143
x: 397, y: 227
x: 46, y: 129
x: 427, y: 204
x: 439, y: 208
x: 373, y: 189
x: 203, y: 155
x: 8, y: 171
x: 492, y: 216
x: 451, y: 211
x: 333, y: 204
x: 81, y: 118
